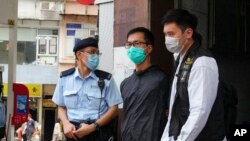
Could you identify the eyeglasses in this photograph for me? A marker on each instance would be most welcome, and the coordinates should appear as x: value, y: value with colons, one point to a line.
x: 134, y: 44
x: 92, y: 52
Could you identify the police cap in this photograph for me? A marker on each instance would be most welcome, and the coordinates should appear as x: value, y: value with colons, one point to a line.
x: 90, y: 41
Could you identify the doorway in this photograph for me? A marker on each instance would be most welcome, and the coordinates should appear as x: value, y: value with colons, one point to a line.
x: 48, y: 124
x: 232, y: 49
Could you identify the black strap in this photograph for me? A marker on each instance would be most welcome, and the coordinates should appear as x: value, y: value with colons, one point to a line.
x: 187, y: 63
x: 101, y: 84
x: 98, y: 73
x: 176, y: 64
x: 103, y: 74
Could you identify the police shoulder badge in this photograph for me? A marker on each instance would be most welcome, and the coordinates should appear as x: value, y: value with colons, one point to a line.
x: 187, y: 65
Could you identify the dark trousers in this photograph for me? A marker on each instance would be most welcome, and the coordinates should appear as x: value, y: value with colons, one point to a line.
x: 2, y: 132
x: 106, y: 133
x: 24, y: 137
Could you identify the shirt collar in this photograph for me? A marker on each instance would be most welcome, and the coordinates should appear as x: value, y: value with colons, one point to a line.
x: 152, y: 67
x: 91, y: 75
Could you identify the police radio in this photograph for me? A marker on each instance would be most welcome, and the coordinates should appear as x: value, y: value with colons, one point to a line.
x: 101, y: 84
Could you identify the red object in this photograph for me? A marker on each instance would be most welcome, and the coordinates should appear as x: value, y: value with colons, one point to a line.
x: 86, y: 2
x: 21, y: 104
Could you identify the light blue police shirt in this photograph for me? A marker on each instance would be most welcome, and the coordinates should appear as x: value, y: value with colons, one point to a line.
x: 81, y: 96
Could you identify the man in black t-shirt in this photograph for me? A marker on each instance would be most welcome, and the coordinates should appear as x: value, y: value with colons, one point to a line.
x: 144, y: 93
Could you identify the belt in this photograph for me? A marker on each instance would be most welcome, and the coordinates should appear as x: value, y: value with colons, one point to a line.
x: 78, y: 124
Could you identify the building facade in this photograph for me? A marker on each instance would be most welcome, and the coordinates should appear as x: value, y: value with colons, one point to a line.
x: 46, y: 33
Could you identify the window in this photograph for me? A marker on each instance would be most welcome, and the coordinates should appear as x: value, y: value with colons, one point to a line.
x: 74, y: 33
x: 47, y: 50
x: 34, y: 46
x: 42, y: 45
x: 53, y: 45
x: 26, y: 52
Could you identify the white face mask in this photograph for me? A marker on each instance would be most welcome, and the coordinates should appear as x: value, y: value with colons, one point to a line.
x: 172, y: 44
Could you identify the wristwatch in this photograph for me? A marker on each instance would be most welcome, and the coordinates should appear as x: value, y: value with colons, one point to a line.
x: 97, y: 126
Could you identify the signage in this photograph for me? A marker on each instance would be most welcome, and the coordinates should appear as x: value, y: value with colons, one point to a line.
x: 48, y: 103
x: 34, y: 89
x: 21, y: 104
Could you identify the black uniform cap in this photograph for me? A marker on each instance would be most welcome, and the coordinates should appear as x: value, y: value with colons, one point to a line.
x: 90, y: 41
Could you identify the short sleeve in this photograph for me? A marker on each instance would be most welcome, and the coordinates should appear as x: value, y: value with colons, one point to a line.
x: 113, y: 95
x: 58, y: 93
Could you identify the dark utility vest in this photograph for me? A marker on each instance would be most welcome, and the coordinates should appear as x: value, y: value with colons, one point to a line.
x: 214, y: 129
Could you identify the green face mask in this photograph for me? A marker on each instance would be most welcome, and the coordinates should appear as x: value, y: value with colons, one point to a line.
x: 136, y: 55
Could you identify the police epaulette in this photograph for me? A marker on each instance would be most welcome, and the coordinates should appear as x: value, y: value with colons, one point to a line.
x: 103, y: 74
x: 67, y: 72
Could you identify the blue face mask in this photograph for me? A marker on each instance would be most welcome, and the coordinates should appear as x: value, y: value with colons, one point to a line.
x: 136, y: 55
x: 93, y: 61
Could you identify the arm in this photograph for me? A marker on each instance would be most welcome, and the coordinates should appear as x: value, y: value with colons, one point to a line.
x: 58, y: 99
x: 112, y: 98
x: 166, y: 92
x: 108, y: 116
x: 202, y: 89
x: 86, y: 129
x: 68, y: 128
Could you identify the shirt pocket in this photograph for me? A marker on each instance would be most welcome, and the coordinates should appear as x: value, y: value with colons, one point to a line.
x: 70, y: 99
x: 94, y: 97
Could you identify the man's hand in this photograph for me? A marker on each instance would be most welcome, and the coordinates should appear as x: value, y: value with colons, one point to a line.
x: 84, y: 130
x: 68, y: 129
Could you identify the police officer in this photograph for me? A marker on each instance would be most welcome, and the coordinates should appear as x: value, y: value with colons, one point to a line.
x: 87, y: 98
x: 195, y: 111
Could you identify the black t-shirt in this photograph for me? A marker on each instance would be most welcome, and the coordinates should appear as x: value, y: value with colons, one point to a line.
x: 145, y: 101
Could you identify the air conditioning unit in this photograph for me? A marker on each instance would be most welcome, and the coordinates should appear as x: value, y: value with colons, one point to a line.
x: 48, y: 6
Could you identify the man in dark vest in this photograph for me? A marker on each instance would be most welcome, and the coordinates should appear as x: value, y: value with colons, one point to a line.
x: 196, y: 111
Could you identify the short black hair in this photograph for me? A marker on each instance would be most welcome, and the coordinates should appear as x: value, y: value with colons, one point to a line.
x: 184, y: 20
x: 148, y: 35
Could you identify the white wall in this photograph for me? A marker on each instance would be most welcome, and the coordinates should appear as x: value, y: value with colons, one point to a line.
x: 23, y: 34
x: 27, y: 9
x: 106, y: 43
x: 78, y: 9
x: 33, y: 74
x: 32, y: 9
x: 41, y: 24
x: 26, y: 34
x: 66, y: 49
x: 4, y: 33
